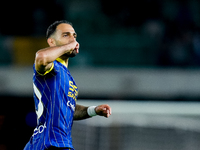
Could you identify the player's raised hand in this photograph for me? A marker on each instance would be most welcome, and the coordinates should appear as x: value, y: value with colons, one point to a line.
x: 103, y: 110
x: 70, y: 47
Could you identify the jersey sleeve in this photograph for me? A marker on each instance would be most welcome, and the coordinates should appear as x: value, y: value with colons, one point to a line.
x: 46, y: 71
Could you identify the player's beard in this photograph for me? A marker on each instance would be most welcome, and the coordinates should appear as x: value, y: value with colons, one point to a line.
x: 73, y: 54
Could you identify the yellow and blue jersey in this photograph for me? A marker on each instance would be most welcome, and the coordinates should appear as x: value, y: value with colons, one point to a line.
x: 55, y: 95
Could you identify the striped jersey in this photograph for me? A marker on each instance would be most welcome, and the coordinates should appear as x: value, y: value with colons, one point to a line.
x: 55, y: 95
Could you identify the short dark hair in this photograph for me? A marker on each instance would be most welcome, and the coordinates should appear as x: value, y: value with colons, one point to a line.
x: 52, y: 28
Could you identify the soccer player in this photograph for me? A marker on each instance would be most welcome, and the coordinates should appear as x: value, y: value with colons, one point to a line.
x: 55, y: 91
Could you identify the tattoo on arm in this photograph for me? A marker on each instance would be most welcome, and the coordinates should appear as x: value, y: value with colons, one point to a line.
x: 81, y: 112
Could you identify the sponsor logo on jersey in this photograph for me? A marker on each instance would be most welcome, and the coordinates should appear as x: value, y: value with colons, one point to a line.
x: 73, y: 90
x: 71, y: 105
x: 39, y: 129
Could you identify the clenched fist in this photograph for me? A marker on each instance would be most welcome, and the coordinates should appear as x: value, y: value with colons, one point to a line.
x: 103, y: 110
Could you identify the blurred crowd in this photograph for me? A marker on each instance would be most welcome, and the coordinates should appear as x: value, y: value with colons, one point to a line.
x: 172, y: 27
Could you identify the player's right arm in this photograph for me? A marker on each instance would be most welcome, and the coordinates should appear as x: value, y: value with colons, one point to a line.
x: 44, y: 58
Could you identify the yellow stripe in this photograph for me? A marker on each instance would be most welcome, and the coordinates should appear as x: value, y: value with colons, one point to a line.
x: 46, y: 71
x: 61, y: 61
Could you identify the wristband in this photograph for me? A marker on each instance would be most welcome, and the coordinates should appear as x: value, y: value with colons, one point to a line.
x: 91, y: 111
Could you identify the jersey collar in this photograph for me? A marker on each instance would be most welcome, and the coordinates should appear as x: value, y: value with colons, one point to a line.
x: 61, y: 61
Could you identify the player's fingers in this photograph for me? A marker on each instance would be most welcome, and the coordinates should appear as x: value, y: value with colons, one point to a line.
x: 108, y: 113
x: 77, y: 45
x: 104, y: 110
x: 109, y: 110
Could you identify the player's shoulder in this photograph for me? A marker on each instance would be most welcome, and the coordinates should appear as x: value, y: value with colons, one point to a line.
x: 52, y: 69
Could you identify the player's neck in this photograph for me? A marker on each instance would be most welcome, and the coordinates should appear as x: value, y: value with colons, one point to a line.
x: 64, y: 61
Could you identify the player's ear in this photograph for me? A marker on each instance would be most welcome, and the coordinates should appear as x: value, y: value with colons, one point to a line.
x: 51, y: 42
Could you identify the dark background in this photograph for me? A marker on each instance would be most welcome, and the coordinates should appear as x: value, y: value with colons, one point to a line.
x: 140, y: 34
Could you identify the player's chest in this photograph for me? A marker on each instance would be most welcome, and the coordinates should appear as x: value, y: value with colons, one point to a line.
x: 69, y: 86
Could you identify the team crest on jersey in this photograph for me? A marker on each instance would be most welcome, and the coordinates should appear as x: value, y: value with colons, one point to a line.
x: 73, y: 90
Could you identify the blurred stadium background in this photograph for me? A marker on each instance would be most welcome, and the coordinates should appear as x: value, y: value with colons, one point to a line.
x: 141, y: 57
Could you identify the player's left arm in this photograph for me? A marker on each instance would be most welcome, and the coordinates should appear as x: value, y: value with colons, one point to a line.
x: 81, y: 112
